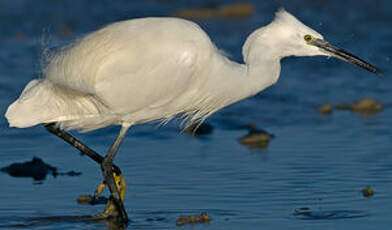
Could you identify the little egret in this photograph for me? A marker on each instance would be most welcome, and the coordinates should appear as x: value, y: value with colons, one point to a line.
x: 147, y: 69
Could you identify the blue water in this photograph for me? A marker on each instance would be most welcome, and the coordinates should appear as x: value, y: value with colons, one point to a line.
x: 317, y: 163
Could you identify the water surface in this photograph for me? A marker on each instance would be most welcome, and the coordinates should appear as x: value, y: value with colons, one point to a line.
x: 309, y: 177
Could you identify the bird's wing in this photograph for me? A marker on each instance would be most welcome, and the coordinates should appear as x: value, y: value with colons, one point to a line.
x: 137, y: 64
x: 141, y: 76
x: 153, y: 63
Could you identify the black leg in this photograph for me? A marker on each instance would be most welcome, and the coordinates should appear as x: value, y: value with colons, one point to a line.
x: 107, y: 173
x: 115, y: 206
x: 53, y: 128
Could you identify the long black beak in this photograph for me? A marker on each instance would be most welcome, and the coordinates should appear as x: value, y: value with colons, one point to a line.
x: 343, y: 55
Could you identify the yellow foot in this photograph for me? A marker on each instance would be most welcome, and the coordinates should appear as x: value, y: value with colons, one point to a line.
x: 110, y: 208
x: 110, y: 211
x: 121, y: 185
x: 120, y: 182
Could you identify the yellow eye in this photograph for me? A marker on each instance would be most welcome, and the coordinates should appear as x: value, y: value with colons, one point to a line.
x: 307, y: 38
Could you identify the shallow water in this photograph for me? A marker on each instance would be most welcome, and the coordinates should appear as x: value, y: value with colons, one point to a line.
x: 309, y: 177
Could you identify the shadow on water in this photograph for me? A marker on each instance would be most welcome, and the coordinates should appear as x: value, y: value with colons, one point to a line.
x: 308, y: 214
x: 150, y: 220
x: 32, y: 222
x: 36, y: 168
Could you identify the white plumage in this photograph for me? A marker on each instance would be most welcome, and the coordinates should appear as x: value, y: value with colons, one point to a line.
x: 141, y: 70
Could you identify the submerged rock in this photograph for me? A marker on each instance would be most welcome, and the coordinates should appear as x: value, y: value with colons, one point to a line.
x: 256, y: 139
x: 192, y: 220
x: 199, y: 129
x: 228, y: 11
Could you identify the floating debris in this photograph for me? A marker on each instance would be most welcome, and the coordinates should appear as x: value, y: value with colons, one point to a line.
x: 192, y: 220
x: 325, y: 109
x: 228, y: 11
x: 256, y: 139
x: 91, y: 200
x: 36, y: 168
x: 367, y: 192
x: 199, y: 129
x: 365, y: 106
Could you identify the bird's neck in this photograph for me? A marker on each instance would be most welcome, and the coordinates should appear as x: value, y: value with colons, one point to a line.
x: 239, y: 81
x: 261, y: 61
x: 262, y: 73
x: 236, y: 81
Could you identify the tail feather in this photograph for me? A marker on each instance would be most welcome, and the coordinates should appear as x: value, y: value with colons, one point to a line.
x: 43, y: 102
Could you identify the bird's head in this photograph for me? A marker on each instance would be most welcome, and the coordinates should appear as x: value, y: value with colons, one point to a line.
x: 287, y: 36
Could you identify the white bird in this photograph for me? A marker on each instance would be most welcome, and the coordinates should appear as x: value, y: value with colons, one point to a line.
x: 135, y: 71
